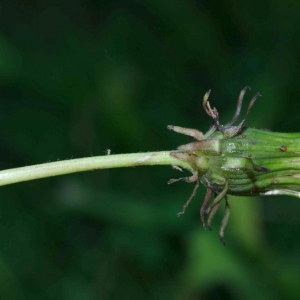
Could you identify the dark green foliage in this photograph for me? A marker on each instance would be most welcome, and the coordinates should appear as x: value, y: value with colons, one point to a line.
x: 79, y: 77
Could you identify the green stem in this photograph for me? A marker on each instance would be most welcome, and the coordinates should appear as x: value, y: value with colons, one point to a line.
x: 89, y: 164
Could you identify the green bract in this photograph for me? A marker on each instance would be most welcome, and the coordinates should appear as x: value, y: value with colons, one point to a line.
x: 239, y: 161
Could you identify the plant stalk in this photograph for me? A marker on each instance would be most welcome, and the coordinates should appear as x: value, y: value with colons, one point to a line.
x: 63, y: 167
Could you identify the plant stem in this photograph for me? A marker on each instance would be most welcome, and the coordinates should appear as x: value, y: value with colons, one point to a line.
x: 89, y: 164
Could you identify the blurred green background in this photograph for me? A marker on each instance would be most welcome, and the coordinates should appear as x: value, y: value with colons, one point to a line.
x: 79, y: 77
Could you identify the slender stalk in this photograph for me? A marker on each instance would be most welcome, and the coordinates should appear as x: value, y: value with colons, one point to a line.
x: 89, y: 164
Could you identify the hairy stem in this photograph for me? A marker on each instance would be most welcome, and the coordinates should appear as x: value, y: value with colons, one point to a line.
x: 89, y: 164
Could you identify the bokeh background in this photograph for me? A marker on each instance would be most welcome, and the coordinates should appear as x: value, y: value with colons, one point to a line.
x: 80, y: 77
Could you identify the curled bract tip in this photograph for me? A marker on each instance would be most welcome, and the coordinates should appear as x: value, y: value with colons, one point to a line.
x: 206, y: 96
